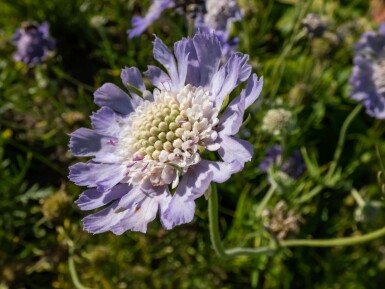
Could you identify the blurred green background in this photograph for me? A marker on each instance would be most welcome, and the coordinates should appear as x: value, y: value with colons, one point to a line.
x: 42, y: 243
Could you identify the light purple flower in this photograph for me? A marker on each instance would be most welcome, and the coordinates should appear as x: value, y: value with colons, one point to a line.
x: 147, y: 151
x: 218, y: 17
x: 33, y: 43
x: 368, y: 76
x: 141, y: 23
x: 293, y: 166
x: 221, y: 13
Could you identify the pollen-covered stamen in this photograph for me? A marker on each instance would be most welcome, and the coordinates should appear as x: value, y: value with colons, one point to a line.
x: 160, y: 140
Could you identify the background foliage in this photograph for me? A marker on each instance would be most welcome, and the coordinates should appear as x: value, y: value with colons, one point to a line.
x: 42, y: 244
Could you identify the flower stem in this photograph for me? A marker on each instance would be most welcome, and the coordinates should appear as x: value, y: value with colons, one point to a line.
x: 213, y: 223
x: 234, y: 252
x: 345, y: 241
x: 341, y: 140
x: 265, y: 200
x: 74, y: 275
x: 216, y: 239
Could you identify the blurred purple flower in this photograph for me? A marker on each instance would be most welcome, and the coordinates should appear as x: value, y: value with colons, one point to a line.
x: 217, y: 19
x: 221, y: 13
x: 143, y: 147
x: 293, y: 166
x: 141, y: 23
x: 33, y: 43
x: 368, y: 76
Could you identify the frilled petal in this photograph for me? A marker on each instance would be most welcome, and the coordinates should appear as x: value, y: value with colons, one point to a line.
x: 182, y: 206
x: 106, y: 122
x: 221, y: 171
x: 101, y: 176
x: 132, y: 76
x: 92, y: 199
x: 252, y: 90
x: 164, y: 56
x: 375, y: 105
x: 182, y: 51
x: 208, y: 53
x: 157, y: 77
x: 138, y: 214
x: 108, y: 218
x: 244, y: 67
x: 227, y: 78
x: 87, y: 142
x: 112, y: 96
x: 131, y: 212
x: 231, y: 120
x: 235, y: 149
x: 103, y: 220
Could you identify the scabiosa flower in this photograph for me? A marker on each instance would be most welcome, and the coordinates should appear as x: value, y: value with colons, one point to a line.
x: 293, y: 166
x: 368, y: 76
x: 221, y: 13
x: 148, y: 151
x: 213, y: 14
x: 33, y: 43
x: 141, y: 23
x: 277, y: 120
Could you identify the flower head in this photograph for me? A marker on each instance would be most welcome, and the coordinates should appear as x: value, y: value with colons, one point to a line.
x: 293, y: 166
x: 148, y: 151
x: 32, y: 43
x: 277, y: 120
x: 141, y: 23
x: 314, y: 25
x: 221, y: 13
x: 368, y: 76
x: 211, y: 14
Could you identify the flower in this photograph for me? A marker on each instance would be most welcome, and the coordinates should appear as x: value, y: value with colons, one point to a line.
x: 148, y: 151
x: 368, y: 76
x: 141, y: 23
x: 221, y: 13
x: 293, y: 166
x: 218, y: 17
x: 277, y: 120
x: 210, y: 17
x: 32, y: 43
x: 314, y: 25
x: 281, y: 221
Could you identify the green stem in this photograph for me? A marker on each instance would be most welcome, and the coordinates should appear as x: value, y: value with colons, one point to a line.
x: 265, y: 200
x: 74, y: 275
x: 234, y: 252
x: 345, y: 241
x: 216, y: 239
x: 311, y: 194
x: 341, y: 140
x: 360, y: 201
x: 213, y: 224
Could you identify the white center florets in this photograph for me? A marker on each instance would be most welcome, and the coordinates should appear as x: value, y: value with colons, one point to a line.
x: 161, y: 139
